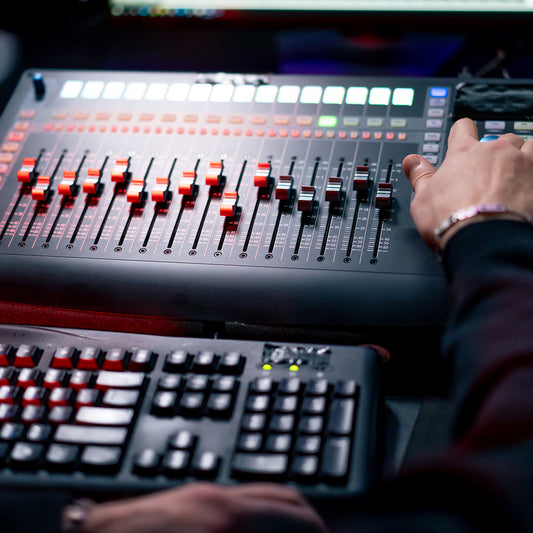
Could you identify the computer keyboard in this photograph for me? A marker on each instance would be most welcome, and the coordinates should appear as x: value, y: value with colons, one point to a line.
x: 98, y: 412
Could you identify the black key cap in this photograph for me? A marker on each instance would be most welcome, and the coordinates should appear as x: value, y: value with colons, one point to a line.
x: 198, y: 383
x: 11, y: 431
x: 345, y: 388
x: 146, y: 462
x: 207, y: 465
x: 257, y: 403
x: 61, y: 456
x: 341, y: 417
x: 101, y: 458
x: 314, y: 406
x: 311, y: 425
x: 220, y: 406
x: 286, y: 404
x: 231, y: 363
x: 170, y: 382
x: 164, y: 403
x: 25, y: 455
x: 74, y: 434
x: 261, y: 385
x: 38, y: 432
x: 32, y: 413
x: 141, y: 360
x: 250, y: 442
x: 336, y: 456
x: 60, y: 414
x: 278, y: 443
x: 182, y: 440
x: 104, y: 416
x: 309, y: 444
x: 304, y: 467
x: 177, y: 361
x: 176, y: 462
x: 7, y: 375
x: 259, y: 465
x: 317, y: 387
x: 289, y: 386
x: 119, y: 380
x: 191, y: 404
x: 224, y: 384
x: 282, y: 423
x: 204, y: 362
x: 253, y: 422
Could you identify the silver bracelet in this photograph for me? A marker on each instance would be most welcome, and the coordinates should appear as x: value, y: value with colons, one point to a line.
x: 475, y: 210
x: 75, y: 514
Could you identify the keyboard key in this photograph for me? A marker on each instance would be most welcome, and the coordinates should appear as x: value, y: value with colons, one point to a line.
x: 175, y: 463
x: 191, y: 404
x: 204, y: 362
x: 115, y: 359
x: 341, y: 417
x: 278, y: 443
x: 282, y: 423
x: 120, y: 398
x: 289, y: 386
x: 206, y: 465
x: 80, y: 379
x: 220, y: 406
x: 87, y: 397
x: 54, y: 377
x: 38, y: 432
x: 336, y: 456
x: 141, y: 360
x: 261, y: 385
x: 60, y: 414
x: 182, y: 440
x: 34, y: 396
x: 119, y: 380
x: 6, y: 355
x: 250, y: 442
x: 73, y: 434
x: 286, y: 404
x: 314, y: 406
x: 64, y: 357
x: 305, y: 467
x: 25, y: 455
x: 32, y: 413
x: 60, y: 396
x: 231, y: 363
x: 177, y: 361
x: 28, y: 377
x: 224, y: 384
x: 104, y: 416
x: 101, y: 458
x: 345, y: 388
x: 146, y: 462
x: 258, y: 403
x: 26, y: 356
x: 253, y: 422
x: 9, y: 394
x: 7, y: 376
x: 257, y: 465
x: 61, y: 456
x: 197, y: 383
x: 317, y: 387
x: 170, y: 382
x: 308, y: 444
x: 90, y: 358
x: 164, y: 403
x: 311, y: 425
x: 11, y: 432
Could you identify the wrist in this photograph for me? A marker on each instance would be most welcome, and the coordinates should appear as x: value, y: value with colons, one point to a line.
x: 474, y: 214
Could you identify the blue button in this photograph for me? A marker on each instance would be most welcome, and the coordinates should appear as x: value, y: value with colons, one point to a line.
x: 438, y: 92
x: 488, y: 138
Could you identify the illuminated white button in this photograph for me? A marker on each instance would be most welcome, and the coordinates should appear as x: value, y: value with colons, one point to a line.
x: 71, y: 89
x: 403, y: 97
x: 156, y: 91
x: 200, y: 92
x: 357, y: 95
x: 433, y: 159
x: 178, y: 92
x: 523, y: 125
x: 288, y: 94
x: 222, y: 92
x: 430, y: 148
x: 92, y: 90
x: 432, y: 136
x: 437, y: 102
x: 244, y: 94
x: 334, y: 95
x: 311, y: 95
x: 435, y: 112
x: 113, y: 90
x: 379, y: 96
x: 494, y: 124
x: 135, y: 90
x: 266, y: 94
x: 434, y: 123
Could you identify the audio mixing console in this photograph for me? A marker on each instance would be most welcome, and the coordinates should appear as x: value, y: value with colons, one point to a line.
x: 232, y: 198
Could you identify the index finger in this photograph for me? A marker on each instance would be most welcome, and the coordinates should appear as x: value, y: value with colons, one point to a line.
x: 462, y: 130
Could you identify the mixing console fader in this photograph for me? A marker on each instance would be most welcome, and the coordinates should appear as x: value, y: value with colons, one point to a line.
x: 232, y: 198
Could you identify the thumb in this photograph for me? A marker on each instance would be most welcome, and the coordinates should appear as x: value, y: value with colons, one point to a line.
x: 417, y: 169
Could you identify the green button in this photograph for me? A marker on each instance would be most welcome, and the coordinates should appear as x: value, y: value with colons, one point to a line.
x: 374, y: 122
x: 398, y: 123
x: 327, y: 121
x: 350, y: 121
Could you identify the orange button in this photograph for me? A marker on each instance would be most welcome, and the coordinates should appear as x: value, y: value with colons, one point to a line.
x: 11, y: 147
x: 16, y: 136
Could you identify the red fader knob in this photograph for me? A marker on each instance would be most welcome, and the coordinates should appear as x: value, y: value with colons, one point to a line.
x: 214, y: 174
x: 28, y: 171
x: 92, y: 182
x: 262, y: 174
x: 160, y: 192
x: 228, y: 205
x: 186, y: 184
x: 135, y: 192
x: 120, y: 172
x: 67, y: 186
x: 306, y: 198
x: 333, y: 189
x: 41, y: 190
x: 284, y: 188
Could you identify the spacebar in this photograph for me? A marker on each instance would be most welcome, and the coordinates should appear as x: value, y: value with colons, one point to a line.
x: 91, y: 434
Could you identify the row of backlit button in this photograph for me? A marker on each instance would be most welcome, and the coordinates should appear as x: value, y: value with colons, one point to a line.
x: 225, y: 92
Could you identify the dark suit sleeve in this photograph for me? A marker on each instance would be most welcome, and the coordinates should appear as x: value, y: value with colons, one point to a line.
x: 23, y: 511
x: 487, y: 475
